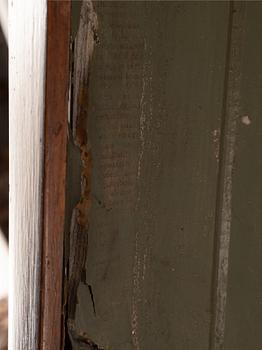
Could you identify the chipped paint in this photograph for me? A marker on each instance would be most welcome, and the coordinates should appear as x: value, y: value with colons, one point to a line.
x: 136, y: 295
x: 83, y: 339
x: 84, y: 46
x: 246, y: 120
x: 224, y: 208
x: 216, y: 140
x: 142, y: 119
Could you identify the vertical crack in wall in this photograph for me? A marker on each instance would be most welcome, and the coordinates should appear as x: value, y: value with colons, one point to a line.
x: 227, y: 155
x: 83, y: 49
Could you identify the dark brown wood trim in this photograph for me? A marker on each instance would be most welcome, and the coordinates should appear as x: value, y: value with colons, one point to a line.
x: 56, y: 112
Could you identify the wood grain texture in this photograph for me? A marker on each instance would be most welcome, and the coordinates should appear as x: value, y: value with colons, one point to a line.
x: 27, y: 47
x: 55, y: 146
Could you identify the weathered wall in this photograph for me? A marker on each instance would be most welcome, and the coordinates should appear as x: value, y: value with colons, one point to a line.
x: 244, y: 305
x: 165, y: 246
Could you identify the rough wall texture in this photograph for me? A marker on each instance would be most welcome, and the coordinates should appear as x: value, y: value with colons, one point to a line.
x: 244, y: 304
x: 166, y: 96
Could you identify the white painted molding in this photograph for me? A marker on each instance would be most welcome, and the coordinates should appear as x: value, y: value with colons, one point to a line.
x: 27, y: 46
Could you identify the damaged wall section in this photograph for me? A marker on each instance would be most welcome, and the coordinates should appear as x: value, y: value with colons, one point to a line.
x: 146, y: 167
x: 146, y: 110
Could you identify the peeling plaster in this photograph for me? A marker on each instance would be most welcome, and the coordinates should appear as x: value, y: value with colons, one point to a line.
x: 84, y: 43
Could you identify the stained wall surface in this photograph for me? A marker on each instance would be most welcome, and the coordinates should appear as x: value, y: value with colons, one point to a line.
x: 173, y: 124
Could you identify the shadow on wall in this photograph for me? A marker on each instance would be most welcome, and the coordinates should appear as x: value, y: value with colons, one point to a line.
x: 4, y: 189
x: 3, y: 135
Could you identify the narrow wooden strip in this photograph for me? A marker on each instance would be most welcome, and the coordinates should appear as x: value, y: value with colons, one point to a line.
x: 27, y: 33
x: 57, y: 84
x: 227, y: 154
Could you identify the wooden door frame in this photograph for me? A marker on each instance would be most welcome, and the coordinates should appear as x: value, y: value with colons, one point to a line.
x: 39, y: 40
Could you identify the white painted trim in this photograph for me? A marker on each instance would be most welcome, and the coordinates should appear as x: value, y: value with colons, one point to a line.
x: 27, y: 51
